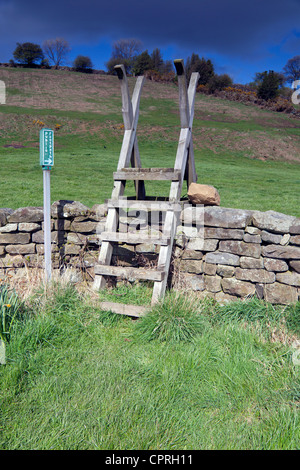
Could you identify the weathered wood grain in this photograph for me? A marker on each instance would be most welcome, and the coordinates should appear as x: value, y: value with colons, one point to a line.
x: 152, y: 174
x: 124, y: 309
x: 133, y: 238
x: 130, y: 273
x: 144, y: 205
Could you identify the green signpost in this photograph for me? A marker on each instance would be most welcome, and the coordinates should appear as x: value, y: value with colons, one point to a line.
x: 47, y: 162
x: 47, y: 148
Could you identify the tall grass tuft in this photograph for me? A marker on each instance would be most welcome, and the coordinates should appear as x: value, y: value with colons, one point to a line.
x: 11, y: 308
x: 174, y: 319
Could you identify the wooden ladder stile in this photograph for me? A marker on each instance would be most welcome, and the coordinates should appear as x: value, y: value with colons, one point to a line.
x: 184, y: 169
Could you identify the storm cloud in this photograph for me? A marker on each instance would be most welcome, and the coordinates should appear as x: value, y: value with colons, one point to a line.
x: 238, y: 35
x: 226, y: 27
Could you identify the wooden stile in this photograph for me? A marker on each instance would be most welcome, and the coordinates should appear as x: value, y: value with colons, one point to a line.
x: 184, y: 168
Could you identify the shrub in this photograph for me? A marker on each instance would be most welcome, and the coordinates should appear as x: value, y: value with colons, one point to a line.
x: 282, y: 105
x: 155, y: 76
x: 83, y: 64
x: 218, y: 82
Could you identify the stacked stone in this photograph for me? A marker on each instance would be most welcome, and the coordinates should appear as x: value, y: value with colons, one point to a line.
x: 242, y: 253
x: 223, y: 253
x: 74, y: 235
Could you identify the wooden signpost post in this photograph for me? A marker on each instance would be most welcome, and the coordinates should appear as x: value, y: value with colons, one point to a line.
x: 47, y: 162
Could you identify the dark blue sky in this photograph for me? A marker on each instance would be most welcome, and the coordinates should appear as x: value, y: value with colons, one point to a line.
x: 241, y: 38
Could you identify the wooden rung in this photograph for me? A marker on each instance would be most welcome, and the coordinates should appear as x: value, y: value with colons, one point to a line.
x: 133, y: 238
x: 157, y: 174
x: 130, y: 273
x: 124, y: 309
x: 141, y: 205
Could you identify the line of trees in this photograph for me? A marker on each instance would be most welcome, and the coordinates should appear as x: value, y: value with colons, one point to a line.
x: 137, y: 62
x: 54, y: 52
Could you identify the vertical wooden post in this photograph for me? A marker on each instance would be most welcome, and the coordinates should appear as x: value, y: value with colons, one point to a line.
x: 127, y: 111
x: 186, y: 106
x: 184, y: 151
x: 130, y: 110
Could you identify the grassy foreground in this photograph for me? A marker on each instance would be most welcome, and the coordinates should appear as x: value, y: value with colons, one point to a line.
x: 189, y: 375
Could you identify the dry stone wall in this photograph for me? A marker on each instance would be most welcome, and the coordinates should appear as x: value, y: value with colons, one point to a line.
x: 235, y: 253
x: 244, y: 253
x: 74, y: 237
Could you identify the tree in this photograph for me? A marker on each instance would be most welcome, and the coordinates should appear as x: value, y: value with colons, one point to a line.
x: 56, y: 50
x: 203, y: 66
x: 269, y: 86
x: 142, y: 63
x: 83, y: 64
x: 167, y: 67
x: 124, y: 52
x: 292, y: 69
x: 28, y: 53
x: 259, y: 77
x: 157, y: 61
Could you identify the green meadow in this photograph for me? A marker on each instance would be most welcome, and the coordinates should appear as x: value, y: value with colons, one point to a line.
x: 250, y: 155
x: 191, y: 374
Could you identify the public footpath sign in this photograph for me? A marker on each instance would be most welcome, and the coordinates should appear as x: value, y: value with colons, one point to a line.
x: 47, y: 148
x: 47, y: 162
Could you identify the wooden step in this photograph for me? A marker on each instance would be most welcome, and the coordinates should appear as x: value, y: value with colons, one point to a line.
x: 157, y: 174
x: 124, y: 309
x: 143, y: 205
x: 130, y: 273
x: 133, y: 238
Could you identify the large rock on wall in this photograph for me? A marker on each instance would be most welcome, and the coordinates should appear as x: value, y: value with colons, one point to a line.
x: 203, y: 194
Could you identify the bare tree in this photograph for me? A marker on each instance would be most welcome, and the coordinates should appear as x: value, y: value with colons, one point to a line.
x: 292, y: 69
x: 126, y: 48
x: 124, y: 51
x: 56, y: 50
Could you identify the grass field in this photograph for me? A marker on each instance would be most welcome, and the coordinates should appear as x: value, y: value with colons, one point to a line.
x: 251, y: 155
x: 191, y: 375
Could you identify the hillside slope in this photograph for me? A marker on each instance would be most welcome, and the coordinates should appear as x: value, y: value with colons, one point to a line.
x: 251, y: 155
